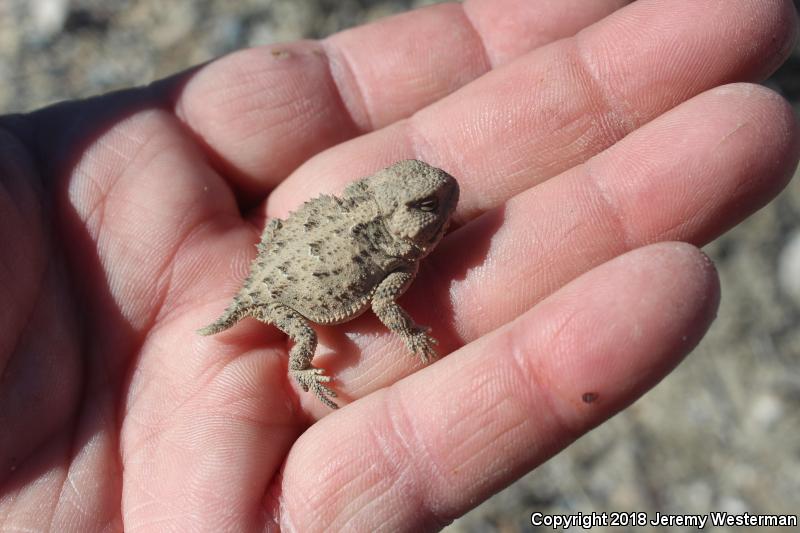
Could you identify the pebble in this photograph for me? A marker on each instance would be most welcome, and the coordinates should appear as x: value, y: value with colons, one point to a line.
x: 789, y: 268
x: 48, y: 17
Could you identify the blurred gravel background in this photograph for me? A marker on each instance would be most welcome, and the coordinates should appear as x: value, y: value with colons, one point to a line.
x: 721, y: 433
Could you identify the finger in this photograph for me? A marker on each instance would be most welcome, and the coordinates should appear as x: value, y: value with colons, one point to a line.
x: 688, y: 175
x: 442, y: 440
x: 561, y: 104
x: 511, y: 28
x: 264, y: 111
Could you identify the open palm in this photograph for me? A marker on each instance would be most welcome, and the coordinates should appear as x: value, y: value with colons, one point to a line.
x: 122, y: 232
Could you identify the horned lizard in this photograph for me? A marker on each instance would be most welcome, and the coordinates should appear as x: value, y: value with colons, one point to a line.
x: 334, y: 257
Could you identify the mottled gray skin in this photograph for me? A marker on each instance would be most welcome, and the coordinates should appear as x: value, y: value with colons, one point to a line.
x: 334, y: 257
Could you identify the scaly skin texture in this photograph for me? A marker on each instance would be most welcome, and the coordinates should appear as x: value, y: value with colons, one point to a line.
x: 336, y: 256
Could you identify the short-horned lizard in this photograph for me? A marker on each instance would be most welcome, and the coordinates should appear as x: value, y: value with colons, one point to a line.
x: 334, y: 257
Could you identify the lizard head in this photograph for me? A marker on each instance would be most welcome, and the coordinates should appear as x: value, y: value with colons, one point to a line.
x: 415, y: 201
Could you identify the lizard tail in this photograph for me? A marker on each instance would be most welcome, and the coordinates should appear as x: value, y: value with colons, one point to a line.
x: 236, y: 311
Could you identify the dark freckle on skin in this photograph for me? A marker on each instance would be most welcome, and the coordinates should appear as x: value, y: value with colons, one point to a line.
x: 590, y: 397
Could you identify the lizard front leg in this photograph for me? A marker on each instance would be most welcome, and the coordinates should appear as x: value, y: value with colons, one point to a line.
x: 396, y: 319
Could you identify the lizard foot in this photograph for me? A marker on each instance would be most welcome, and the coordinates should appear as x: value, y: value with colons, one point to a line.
x: 312, y: 379
x: 422, y: 344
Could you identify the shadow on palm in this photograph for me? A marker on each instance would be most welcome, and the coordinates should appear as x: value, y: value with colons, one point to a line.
x: 62, y: 381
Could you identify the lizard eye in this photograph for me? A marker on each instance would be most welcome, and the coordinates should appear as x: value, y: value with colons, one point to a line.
x: 428, y: 204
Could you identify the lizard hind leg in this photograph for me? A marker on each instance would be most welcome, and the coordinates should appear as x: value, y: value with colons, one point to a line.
x: 298, y: 329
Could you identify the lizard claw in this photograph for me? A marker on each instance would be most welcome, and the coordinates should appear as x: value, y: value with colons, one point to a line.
x: 422, y: 344
x: 312, y: 379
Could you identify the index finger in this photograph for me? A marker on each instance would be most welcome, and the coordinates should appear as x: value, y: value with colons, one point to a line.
x: 261, y: 112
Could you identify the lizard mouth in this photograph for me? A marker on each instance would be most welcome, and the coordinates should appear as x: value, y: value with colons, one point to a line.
x: 434, y: 239
x: 440, y: 231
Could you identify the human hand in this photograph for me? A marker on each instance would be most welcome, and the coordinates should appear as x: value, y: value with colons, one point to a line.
x: 122, y: 233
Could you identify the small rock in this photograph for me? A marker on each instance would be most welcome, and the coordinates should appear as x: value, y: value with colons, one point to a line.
x: 766, y: 410
x: 789, y: 268
x: 48, y: 17
x: 733, y: 505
